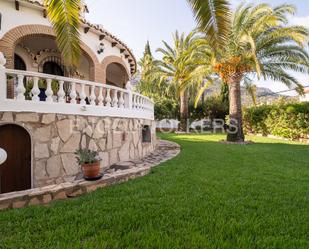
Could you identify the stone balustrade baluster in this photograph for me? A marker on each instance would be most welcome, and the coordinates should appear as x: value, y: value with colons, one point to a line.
x: 134, y: 102
x: 35, y: 90
x: 49, y: 91
x: 115, y: 98
x: 82, y: 95
x: 61, y: 93
x: 108, y: 98
x: 100, y: 97
x: 139, y: 102
x: 92, y: 96
x: 73, y: 94
x: 20, y: 88
x: 121, y: 100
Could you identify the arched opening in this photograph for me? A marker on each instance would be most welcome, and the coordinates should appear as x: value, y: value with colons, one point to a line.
x: 51, y: 67
x: 19, y: 63
x: 15, y: 172
x: 116, y: 75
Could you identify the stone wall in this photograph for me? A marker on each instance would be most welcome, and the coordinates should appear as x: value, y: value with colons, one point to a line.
x: 55, y: 138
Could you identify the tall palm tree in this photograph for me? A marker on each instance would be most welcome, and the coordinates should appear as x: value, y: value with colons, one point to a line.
x: 256, y: 41
x: 65, y: 18
x: 178, y: 66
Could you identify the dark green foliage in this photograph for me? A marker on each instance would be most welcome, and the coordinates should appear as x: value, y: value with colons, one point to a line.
x: 86, y: 156
x: 212, y: 108
x: 166, y: 108
x: 212, y: 196
x: 284, y: 120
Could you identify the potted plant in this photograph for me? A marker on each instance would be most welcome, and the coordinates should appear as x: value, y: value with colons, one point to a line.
x: 89, y: 161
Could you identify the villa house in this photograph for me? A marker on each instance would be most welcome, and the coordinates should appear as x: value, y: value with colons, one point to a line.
x: 47, y: 113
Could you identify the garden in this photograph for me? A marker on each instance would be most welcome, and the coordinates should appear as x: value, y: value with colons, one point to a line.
x: 211, y: 196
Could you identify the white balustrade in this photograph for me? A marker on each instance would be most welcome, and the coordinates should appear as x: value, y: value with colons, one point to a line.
x: 103, y: 100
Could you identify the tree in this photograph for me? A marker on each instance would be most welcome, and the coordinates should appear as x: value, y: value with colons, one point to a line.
x: 65, y: 18
x: 149, y: 84
x: 254, y: 41
x: 180, y: 66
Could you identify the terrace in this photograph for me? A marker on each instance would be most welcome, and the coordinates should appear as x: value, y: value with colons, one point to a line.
x: 65, y: 95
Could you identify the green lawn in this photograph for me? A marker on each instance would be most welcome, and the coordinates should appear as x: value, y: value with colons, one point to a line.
x: 210, y: 196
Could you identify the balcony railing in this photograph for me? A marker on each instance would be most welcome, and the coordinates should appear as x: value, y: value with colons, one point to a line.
x: 69, y: 96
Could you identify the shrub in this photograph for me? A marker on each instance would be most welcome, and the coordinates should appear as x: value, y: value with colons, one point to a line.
x: 284, y: 120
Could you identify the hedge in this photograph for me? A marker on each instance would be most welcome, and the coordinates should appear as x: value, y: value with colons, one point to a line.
x: 283, y: 120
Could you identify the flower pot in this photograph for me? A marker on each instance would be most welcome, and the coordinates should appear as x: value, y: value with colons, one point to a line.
x: 91, y: 170
x: 42, y: 94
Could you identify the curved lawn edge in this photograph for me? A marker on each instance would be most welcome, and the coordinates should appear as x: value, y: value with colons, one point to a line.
x: 165, y: 150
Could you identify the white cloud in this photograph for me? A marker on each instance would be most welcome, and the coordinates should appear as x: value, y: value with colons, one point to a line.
x: 300, y: 20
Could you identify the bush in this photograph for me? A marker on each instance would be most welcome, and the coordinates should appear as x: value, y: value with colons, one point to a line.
x: 166, y: 108
x: 284, y: 120
x: 212, y: 108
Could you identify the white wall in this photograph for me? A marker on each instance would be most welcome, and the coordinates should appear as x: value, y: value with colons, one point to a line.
x: 31, y: 14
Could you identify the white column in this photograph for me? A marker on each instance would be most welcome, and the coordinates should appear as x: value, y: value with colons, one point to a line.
x: 3, y: 81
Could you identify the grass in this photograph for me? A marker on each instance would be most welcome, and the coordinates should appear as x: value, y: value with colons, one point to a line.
x: 210, y: 196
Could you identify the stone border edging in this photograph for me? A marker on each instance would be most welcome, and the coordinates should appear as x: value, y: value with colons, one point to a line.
x: 165, y: 150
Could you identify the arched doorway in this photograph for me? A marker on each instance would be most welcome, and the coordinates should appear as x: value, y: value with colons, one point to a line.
x: 116, y: 75
x: 51, y: 67
x: 19, y: 63
x: 15, y: 172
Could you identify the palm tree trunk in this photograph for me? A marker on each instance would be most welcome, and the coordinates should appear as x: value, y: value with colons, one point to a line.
x: 184, y: 113
x: 235, y: 133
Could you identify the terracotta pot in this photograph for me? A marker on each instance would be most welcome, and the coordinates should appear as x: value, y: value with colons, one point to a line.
x: 91, y: 170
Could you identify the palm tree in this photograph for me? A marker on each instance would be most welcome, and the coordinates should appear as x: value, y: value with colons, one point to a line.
x: 65, y: 18
x: 149, y: 83
x: 179, y: 66
x: 255, y: 41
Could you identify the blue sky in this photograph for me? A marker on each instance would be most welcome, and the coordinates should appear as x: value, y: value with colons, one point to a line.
x: 136, y: 21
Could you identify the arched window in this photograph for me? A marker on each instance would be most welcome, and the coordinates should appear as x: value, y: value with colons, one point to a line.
x: 116, y: 75
x: 53, y: 68
x: 19, y: 63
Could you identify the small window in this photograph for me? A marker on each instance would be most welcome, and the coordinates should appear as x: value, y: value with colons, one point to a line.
x: 146, y: 134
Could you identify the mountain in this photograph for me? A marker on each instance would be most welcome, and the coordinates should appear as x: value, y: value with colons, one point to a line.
x: 264, y: 95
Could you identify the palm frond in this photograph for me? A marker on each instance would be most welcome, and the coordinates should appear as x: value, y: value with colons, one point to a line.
x: 214, y: 19
x: 64, y: 16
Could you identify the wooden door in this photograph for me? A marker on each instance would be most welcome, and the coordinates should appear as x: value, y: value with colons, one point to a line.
x: 15, y: 172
